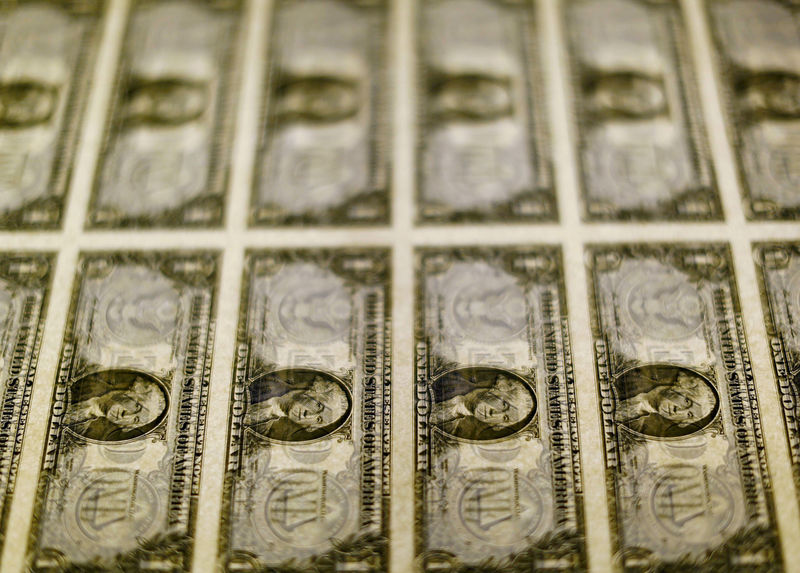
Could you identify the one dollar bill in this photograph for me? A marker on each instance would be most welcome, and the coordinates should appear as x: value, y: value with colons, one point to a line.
x: 307, y: 481
x: 323, y: 155
x: 779, y: 270
x: 758, y: 49
x: 167, y: 146
x: 686, y: 469
x: 47, y: 50
x: 122, y: 459
x: 483, y: 150
x: 24, y: 292
x: 641, y: 143
x: 498, y: 474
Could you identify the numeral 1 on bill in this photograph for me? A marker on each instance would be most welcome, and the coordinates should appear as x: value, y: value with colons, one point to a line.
x: 166, y: 153
x: 322, y: 157
x: 47, y: 50
x: 498, y: 475
x: 483, y: 151
x: 307, y: 481
x: 758, y: 49
x: 119, y: 481
x: 24, y: 292
x: 642, y: 150
x: 779, y: 273
x: 686, y: 467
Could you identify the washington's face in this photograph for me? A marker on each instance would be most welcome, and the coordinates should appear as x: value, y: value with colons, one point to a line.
x: 25, y: 104
x: 308, y: 410
x: 127, y: 409
x: 495, y: 408
x: 319, y: 99
x: 167, y: 102
x: 783, y: 96
x: 675, y: 406
x: 474, y: 96
x: 629, y: 95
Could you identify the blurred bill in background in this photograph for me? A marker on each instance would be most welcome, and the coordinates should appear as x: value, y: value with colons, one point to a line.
x: 641, y: 143
x: 47, y: 53
x: 166, y: 152
x: 483, y: 150
x: 758, y: 47
x: 322, y: 156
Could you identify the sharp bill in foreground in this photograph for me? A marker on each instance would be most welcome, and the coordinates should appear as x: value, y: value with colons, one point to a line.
x: 119, y: 479
x: 686, y: 466
x: 498, y: 475
x: 307, y: 478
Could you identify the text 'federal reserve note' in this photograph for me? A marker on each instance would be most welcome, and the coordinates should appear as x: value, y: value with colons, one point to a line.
x: 323, y: 155
x: 498, y: 477
x: 641, y: 144
x: 758, y: 48
x: 24, y: 292
x: 122, y: 459
x: 166, y: 151
x: 686, y: 469
x: 47, y: 50
x: 779, y: 266
x: 482, y: 150
x: 307, y: 482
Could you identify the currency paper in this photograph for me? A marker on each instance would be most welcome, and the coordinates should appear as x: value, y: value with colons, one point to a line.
x: 424, y: 286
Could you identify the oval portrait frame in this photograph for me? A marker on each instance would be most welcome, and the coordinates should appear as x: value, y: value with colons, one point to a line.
x: 524, y: 423
x: 709, y: 419
x: 310, y: 372
x: 151, y: 427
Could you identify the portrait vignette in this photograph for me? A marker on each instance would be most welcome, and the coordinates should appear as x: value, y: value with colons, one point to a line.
x: 115, y: 433
x: 475, y: 383
x: 649, y: 427
x: 275, y: 418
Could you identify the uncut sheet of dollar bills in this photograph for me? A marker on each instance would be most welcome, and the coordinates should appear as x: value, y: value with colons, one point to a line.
x: 434, y: 286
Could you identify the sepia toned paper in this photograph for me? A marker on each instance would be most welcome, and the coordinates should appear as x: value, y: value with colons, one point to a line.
x: 489, y: 286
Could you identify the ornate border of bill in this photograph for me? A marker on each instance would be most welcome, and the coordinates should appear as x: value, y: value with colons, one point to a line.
x: 399, y: 285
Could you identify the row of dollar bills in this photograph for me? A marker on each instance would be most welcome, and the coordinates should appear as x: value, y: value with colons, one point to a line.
x: 323, y: 153
x: 497, y: 447
x: 124, y: 257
